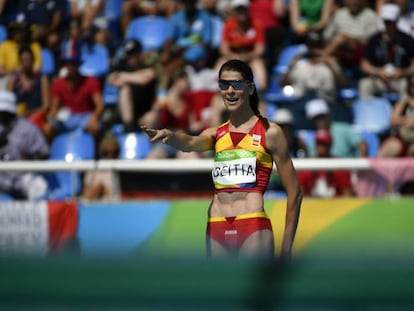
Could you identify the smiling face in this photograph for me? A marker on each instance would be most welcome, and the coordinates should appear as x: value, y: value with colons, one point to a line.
x: 235, y: 90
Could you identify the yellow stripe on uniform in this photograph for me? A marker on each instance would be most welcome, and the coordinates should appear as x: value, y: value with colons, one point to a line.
x: 243, y: 216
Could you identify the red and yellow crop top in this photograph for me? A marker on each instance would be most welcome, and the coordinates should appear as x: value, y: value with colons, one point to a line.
x: 241, y: 161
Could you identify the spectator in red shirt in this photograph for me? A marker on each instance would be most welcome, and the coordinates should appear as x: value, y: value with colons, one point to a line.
x: 325, y: 184
x: 76, y: 102
x: 244, y: 39
x: 272, y: 14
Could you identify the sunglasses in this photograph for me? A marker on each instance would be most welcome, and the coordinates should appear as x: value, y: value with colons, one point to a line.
x: 235, y: 84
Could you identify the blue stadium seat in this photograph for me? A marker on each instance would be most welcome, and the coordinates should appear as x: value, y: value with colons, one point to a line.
x: 372, y: 115
x: 151, y: 31
x: 5, y: 197
x: 373, y: 142
x: 308, y: 136
x: 287, y: 54
x: 275, y: 92
x: 3, y: 33
x: 69, y: 147
x: 48, y: 62
x: 110, y: 94
x: 112, y: 12
x: 270, y: 110
x: 133, y: 145
x: 217, y: 31
x: 347, y: 93
x: 95, y: 60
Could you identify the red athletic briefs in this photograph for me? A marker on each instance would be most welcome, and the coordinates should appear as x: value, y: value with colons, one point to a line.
x: 231, y: 232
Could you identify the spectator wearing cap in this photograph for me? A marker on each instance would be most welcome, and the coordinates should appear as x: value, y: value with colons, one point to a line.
x: 203, y: 88
x: 20, y: 140
x: 296, y: 145
x: 76, y: 102
x: 138, y: 83
x: 244, y: 38
x: 406, y: 19
x: 389, y: 58
x: 347, y: 143
x: 189, y: 26
x: 329, y: 183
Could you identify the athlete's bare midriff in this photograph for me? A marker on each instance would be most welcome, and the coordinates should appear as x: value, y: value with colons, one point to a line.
x: 226, y: 204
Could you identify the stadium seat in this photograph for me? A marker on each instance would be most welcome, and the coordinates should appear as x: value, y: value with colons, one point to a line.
x: 69, y: 147
x: 110, y: 94
x: 48, y: 62
x: 3, y: 33
x: 95, y: 60
x: 5, y: 197
x: 112, y: 12
x: 151, y: 31
x: 217, y: 31
x: 391, y: 96
x: 113, y: 9
x: 372, y: 115
x: 373, y: 142
x: 347, y: 93
x: 287, y: 54
x: 308, y: 136
x: 133, y: 145
x: 270, y: 110
x: 275, y: 92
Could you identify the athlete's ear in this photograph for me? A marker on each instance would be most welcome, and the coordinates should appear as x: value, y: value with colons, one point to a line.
x: 251, y: 88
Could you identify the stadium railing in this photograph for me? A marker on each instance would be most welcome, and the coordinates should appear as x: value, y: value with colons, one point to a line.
x: 404, y: 166
x: 168, y: 165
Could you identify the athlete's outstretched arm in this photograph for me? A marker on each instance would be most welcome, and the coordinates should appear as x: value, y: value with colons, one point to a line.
x: 182, y: 141
x: 277, y: 144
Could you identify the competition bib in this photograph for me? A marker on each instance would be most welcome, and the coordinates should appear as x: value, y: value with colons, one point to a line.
x: 234, y: 167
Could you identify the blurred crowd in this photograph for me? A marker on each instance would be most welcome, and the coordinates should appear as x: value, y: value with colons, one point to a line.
x: 104, y: 67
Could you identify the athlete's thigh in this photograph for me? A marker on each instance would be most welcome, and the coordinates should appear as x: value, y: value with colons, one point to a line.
x: 259, y: 244
x: 215, y: 249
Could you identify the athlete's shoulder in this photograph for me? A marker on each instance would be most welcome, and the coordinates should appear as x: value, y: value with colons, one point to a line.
x: 269, y: 125
x: 273, y: 128
x: 222, y: 129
